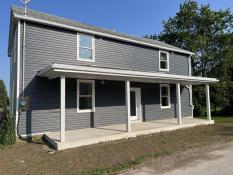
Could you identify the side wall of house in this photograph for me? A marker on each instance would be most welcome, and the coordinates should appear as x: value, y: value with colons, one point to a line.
x: 47, y: 45
x: 13, y: 73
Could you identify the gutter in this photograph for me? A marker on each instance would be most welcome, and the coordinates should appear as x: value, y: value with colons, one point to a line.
x: 62, y: 68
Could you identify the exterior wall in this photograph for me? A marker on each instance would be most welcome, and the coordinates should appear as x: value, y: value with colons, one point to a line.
x: 13, y: 74
x: 46, y: 45
x: 186, y: 108
x: 44, y: 114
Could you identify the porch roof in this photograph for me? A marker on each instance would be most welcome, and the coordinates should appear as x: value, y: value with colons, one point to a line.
x: 70, y: 71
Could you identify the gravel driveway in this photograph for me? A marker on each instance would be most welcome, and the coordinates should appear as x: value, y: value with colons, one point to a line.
x: 211, y: 160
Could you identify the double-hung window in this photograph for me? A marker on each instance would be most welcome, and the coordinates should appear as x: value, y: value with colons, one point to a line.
x: 85, y: 50
x: 165, y: 96
x: 85, y: 95
x: 163, y: 61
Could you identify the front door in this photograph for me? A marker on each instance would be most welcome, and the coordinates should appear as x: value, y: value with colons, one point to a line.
x: 135, y: 103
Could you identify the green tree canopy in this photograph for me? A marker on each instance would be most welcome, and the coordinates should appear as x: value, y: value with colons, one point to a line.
x: 208, y: 34
x: 4, y: 101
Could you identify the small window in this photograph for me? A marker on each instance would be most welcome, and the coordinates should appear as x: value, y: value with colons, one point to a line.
x: 86, y: 95
x: 85, y: 47
x: 163, y: 61
x: 165, y: 96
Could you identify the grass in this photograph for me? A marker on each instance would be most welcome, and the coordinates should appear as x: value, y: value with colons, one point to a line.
x: 120, y: 166
x: 115, y: 168
x: 110, y: 157
x: 221, y: 119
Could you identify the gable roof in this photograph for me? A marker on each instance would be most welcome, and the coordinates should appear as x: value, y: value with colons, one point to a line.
x: 39, y: 17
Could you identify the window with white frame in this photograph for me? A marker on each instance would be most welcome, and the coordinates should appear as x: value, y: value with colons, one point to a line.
x: 85, y: 95
x: 85, y: 48
x: 163, y: 61
x: 165, y: 96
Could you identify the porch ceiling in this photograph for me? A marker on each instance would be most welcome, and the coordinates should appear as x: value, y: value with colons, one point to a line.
x: 56, y: 70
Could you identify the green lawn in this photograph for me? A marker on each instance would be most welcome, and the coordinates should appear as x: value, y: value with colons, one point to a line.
x: 221, y: 119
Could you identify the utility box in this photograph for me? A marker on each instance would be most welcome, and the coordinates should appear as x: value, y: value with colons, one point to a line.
x: 24, y: 103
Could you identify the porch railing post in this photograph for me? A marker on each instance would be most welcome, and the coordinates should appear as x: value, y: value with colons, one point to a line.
x: 127, y: 102
x: 178, y: 99
x: 207, y: 88
x: 62, y: 107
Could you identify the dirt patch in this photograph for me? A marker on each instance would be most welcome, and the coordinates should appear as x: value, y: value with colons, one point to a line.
x: 190, y: 157
x: 35, y: 158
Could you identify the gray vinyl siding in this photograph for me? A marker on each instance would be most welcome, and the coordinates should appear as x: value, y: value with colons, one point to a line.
x: 150, y: 100
x: 47, y: 45
x: 13, y: 73
x: 186, y: 109
x: 55, y: 45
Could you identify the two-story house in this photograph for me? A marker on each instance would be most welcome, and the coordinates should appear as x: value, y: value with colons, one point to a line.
x: 67, y: 75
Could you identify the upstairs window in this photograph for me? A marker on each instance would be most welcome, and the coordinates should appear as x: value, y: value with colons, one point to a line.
x: 165, y: 96
x: 85, y: 50
x: 86, y: 95
x: 163, y: 61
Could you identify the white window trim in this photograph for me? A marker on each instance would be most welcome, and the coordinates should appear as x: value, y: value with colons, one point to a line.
x: 93, y: 48
x: 93, y: 95
x: 169, y: 101
x: 160, y: 51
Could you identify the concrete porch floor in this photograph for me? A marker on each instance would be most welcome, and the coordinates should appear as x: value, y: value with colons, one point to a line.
x: 88, y: 136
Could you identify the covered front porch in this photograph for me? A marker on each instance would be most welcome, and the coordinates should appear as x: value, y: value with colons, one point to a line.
x: 88, y: 136
x: 73, y: 138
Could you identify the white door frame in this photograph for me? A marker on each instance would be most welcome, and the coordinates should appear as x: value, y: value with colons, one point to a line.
x: 138, y: 116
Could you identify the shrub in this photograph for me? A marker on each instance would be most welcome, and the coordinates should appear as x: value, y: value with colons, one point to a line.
x: 7, y: 131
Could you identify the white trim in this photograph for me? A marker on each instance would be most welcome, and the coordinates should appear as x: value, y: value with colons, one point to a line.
x: 62, y: 107
x: 167, y: 53
x: 92, y: 95
x: 92, y: 49
x: 97, y: 33
x: 190, y: 67
x: 127, y: 102
x: 207, y: 87
x: 138, y: 104
x: 178, y: 105
x: 54, y: 70
x: 168, y: 96
x: 18, y: 78
x: 23, y: 56
x: 34, y: 134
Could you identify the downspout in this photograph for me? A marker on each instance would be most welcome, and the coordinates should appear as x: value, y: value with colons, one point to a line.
x: 190, y: 86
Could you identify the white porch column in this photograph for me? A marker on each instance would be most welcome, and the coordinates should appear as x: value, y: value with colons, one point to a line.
x: 62, y: 107
x: 127, y: 102
x: 178, y: 104
x: 207, y: 88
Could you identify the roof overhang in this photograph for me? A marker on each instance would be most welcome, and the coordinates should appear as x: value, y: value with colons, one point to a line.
x: 56, y: 70
x: 97, y: 33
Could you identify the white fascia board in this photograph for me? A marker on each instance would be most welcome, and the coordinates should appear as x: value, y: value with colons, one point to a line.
x: 18, y: 76
x: 78, y: 29
x: 48, y: 71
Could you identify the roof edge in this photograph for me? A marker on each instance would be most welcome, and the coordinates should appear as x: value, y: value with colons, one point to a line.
x: 117, y: 72
x: 78, y: 29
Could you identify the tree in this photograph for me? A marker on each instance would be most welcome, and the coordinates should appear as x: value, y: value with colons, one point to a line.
x: 208, y: 34
x: 4, y: 101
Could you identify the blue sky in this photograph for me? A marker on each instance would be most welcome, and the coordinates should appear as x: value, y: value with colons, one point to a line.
x: 136, y: 17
